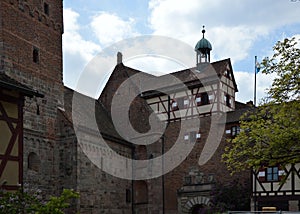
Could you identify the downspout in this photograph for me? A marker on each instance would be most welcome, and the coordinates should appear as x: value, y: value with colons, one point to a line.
x: 163, y: 151
x: 132, y: 181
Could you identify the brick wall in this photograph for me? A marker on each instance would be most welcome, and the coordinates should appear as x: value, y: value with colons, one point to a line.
x: 25, y: 27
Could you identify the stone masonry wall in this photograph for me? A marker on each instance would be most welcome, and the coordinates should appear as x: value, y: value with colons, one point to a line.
x: 25, y: 28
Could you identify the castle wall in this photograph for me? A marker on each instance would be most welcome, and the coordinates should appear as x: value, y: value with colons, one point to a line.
x: 31, y: 53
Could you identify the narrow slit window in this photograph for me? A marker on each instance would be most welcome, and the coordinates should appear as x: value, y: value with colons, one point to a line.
x: 46, y: 9
x: 36, y: 55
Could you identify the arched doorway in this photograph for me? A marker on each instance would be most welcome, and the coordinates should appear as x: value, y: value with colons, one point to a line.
x: 199, y: 209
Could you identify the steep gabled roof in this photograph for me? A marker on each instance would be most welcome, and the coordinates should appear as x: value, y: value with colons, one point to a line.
x: 104, y: 121
x: 209, y: 70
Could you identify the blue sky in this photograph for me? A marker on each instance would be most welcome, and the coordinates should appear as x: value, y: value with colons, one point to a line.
x: 237, y: 29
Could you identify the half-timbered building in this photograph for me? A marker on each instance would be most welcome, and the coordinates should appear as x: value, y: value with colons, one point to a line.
x: 12, y: 95
x: 277, y: 186
x: 39, y: 147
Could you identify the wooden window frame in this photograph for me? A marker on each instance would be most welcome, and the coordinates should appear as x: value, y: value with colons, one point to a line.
x: 204, y: 99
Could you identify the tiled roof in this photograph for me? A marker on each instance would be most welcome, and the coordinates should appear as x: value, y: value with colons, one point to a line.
x: 240, y: 109
x: 104, y: 121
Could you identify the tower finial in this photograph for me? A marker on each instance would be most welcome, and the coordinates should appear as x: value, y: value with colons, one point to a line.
x: 203, y: 31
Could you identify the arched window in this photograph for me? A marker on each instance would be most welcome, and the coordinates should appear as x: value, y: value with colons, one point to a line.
x: 34, y: 162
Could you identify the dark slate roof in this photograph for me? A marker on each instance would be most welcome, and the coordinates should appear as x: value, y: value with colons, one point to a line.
x: 104, y: 121
x: 12, y: 84
x: 126, y: 72
x: 209, y: 72
x: 240, y: 109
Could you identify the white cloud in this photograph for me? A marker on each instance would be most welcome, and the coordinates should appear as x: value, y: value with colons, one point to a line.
x: 109, y: 28
x: 232, y: 27
x: 245, y: 83
x: 76, y: 50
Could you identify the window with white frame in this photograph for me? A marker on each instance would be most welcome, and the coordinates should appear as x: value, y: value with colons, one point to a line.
x: 272, y: 173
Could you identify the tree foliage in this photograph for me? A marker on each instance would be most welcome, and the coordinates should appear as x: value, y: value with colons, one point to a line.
x: 233, y: 196
x: 270, y: 133
x: 21, y: 201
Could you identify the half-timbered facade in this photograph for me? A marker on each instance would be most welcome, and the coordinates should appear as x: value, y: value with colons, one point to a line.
x: 199, y: 94
x: 211, y: 90
x: 277, y: 186
x: 12, y: 95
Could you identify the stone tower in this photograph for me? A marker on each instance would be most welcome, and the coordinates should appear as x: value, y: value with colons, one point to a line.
x: 31, y: 53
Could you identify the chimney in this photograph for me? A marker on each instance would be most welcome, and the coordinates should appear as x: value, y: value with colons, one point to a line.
x: 119, y: 58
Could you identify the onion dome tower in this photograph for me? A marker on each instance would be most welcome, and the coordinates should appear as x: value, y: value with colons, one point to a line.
x: 203, y: 48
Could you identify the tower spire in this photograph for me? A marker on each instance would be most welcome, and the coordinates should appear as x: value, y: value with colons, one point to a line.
x: 203, y: 48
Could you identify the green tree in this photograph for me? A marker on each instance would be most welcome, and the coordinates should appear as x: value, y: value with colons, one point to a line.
x: 23, y: 202
x: 270, y: 133
x: 233, y: 196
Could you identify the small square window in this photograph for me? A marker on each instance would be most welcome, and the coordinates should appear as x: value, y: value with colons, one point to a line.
x: 272, y: 174
x: 174, y: 105
x: 202, y: 99
x: 235, y: 130
x: 187, y: 180
x: 186, y: 102
x: 46, y: 8
x: 36, y: 55
x: 180, y: 103
x: 192, y: 137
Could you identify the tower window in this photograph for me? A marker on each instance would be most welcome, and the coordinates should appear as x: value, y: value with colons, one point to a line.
x: 46, y: 8
x: 36, y: 55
